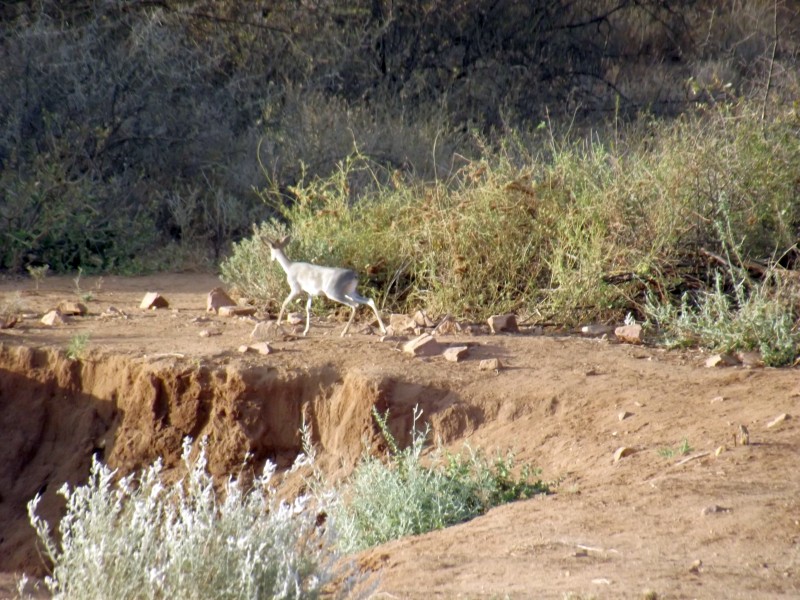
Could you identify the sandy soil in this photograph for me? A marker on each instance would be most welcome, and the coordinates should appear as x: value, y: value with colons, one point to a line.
x: 719, y: 521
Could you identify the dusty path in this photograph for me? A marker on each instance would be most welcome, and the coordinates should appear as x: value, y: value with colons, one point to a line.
x: 647, y: 523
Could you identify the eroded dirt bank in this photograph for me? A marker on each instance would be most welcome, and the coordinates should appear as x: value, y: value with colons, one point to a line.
x: 58, y: 412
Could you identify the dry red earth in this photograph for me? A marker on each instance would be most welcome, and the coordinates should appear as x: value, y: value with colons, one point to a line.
x: 644, y: 524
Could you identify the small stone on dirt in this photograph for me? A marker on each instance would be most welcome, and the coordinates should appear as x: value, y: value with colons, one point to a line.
x: 54, y: 317
x: 456, y: 353
x: 265, y: 330
x: 714, y: 509
x: 750, y: 359
x: 503, y: 323
x: 490, y: 364
x: 720, y: 450
x: 717, y: 399
x: 244, y: 348
x: 262, y: 348
x: 447, y: 326
x: 423, y: 345
x: 68, y: 307
x: 209, y: 332
x: 237, y: 311
x: 295, y: 318
x: 401, y: 324
x: 217, y: 298
x: 622, y: 452
x: 596, y: 329
x: 722, y: 360
x: 696, y: 566
x: 153, y: 300
x: 422, y: 319
x: 624, y: 415
x: 629, y: 334
x: 778, y: 420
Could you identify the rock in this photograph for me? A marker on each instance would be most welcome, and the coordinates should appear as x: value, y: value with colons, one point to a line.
x: 209, y: 332
x: 401, y: 324
x: 153, y: 300
x: 624, y: 415
x: 68, y: 307
x: 714, y: 509
x: 295, y: 318
x: 696, y: 567
x: 629, y: 334
x: 720, y: 450
x: 244, y: 348
x: 237, y: 311
x: 423, y: 345
x: 54, y: 317
x: 423, y: 320
x: 778, y: 420
x: 262, y: 348
x: 265, y: 330
x: 447, y: 326
x: 217, y: 298
x: 596, y: 329
x: 750, y: 359
x: 503, y: 323
x: 490, y: 364
x: 717, y: 399
x: 622, y: 452
x: 722, y: 360
x: 455, y: 353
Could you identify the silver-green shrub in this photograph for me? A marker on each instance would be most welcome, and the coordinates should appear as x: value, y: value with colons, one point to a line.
x: 138, y: 537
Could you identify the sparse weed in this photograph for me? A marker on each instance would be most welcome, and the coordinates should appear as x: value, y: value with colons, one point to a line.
x: 406, y: 495
x: 682, y: 450
x: 38, y: 274
x: 77, y: 346
x: 137, y: 537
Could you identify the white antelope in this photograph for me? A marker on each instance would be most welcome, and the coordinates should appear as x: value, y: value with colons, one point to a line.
x: 337, y: 284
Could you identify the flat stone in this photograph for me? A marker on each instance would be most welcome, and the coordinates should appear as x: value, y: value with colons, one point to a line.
x: 503, y: 323
x: 237, y: 311
x: 622, y: 452
x: 423, y: 345
x: 217, y: 298
x: 778, y: 420
x: 295, y: 318
x: 722, y: 360
x: 153, y: 300
x: 455, y: 353
x: 68, y: 307
x: 490, y: 364
x: 596, y: 329
x: 629, y: 334
x: 54, y: 317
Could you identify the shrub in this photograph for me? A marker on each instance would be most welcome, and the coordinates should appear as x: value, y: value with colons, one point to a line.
x: 142, y: 538
x: 559, y: 229
x: 403, y: 496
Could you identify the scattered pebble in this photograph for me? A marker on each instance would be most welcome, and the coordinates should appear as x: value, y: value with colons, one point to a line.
x: 781, y: 418
x: 622, y: 452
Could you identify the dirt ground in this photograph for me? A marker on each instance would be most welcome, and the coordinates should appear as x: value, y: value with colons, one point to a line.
x: 687, y: 513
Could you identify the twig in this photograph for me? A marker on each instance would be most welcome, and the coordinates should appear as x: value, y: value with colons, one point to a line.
x: 691, y: 458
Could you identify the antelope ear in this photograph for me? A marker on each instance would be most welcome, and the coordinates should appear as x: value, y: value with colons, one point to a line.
x: 286, y: 239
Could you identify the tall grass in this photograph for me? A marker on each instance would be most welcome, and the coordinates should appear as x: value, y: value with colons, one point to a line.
x: 553, y: 227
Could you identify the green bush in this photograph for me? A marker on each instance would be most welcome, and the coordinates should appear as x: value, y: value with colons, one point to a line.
x: 139, y: 537
x: 405, y: 496
x: 558, y: 229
